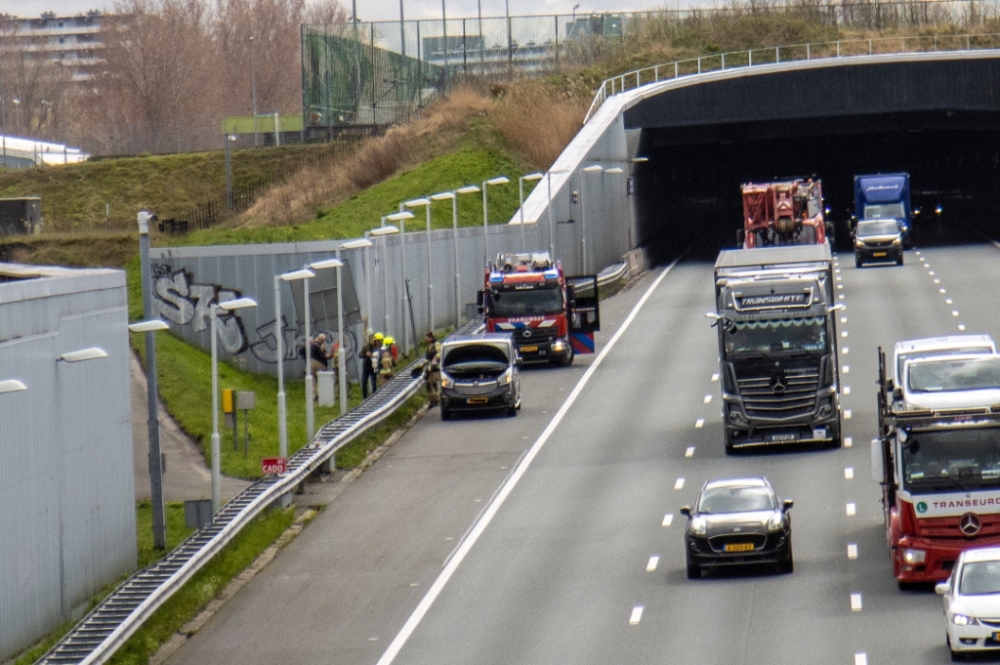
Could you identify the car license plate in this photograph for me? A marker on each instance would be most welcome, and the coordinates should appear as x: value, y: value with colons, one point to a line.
x: 529, y: 349
x: 739, y: 547
x: 783, y: 437
x: 478, y: 400
x: 878, y: 254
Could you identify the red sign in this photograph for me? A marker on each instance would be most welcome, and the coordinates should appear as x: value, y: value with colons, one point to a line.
x: 271, y: 466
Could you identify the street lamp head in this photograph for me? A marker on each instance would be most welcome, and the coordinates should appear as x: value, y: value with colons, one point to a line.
x: 417, y: 203
x: 148, y: 326
x: 593, y: 169
x: 399, y: 216
x: 444, y: 196
x: 356, y: 244
x: 296, y: 275
x: 83, y: 354
x: 11, y: 386
x: 640, y: 160
x: 532, y: 176
x: 239, y: 303
x: 500, y: 180
x: 468, y: 189
x: 326, y: 263
x: 383, y: 231
x: 614, y: 170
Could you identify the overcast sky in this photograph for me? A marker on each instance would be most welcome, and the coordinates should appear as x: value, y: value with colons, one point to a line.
x: 388, y: 10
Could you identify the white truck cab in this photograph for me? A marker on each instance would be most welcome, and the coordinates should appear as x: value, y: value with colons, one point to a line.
x: 937, y: 346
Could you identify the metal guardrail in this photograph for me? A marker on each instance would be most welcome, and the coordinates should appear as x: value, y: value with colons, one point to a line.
x: 96, y: 638
x: 794, y: 52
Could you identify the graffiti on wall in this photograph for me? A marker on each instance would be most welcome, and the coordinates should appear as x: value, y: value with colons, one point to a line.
x: 182, y: 301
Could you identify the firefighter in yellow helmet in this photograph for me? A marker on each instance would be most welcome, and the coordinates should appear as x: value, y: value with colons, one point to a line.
x: 432, y: 369
x: 385, y: 362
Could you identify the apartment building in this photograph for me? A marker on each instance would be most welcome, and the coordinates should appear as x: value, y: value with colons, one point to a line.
x: 73, y: 41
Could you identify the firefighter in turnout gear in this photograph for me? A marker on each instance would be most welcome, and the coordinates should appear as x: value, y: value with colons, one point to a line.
x: 432, y: 369
x: 386, y: 362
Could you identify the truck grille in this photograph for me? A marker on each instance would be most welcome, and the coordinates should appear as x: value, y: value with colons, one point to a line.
x: 538, y: 336
x: 793, y: 396
x: 947, y: 527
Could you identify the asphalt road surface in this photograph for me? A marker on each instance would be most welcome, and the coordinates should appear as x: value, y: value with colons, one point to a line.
x: 497, y: 541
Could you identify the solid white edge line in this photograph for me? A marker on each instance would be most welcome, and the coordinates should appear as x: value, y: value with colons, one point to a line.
x: 487, y: 516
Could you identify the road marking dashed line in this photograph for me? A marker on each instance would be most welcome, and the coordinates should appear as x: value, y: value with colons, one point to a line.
x: 851, y: 510
x: 668, y: 519
x: 689, y: 452
x: 636, y: 615
x: 847, y: 390
x: 849, y: 473
x: 708, y: 398
x: 852, y: 551
x: 679, y: 484
x: 847, y: 369
x: 715, y: 377
x: 861, y: 658
x: 653, y: 561
x: 847, y: 414
x: 848, y: 442
x: 698, y: 424
x: 855, y: 602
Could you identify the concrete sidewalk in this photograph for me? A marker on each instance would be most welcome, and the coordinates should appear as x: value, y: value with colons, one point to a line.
x: 186, y: 476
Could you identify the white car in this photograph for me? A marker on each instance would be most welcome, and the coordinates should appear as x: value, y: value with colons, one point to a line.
x: 972, y: 602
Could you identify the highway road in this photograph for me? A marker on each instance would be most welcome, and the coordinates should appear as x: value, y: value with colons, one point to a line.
x: 524, y: 540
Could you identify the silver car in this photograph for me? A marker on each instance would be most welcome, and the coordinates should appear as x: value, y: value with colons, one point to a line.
x: 480, y: 373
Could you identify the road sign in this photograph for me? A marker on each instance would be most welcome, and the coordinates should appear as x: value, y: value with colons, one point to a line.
x: 270, y: 466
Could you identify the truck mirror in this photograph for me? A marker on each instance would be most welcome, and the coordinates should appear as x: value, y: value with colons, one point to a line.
x: 897, y: 394
x: 890, y: 386
x: 878, y: 471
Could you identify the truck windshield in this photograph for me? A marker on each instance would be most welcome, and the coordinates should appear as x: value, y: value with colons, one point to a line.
x: 948, y: 461
x: 529, y: 302
x: 885, y: 211
x: 777, y: 336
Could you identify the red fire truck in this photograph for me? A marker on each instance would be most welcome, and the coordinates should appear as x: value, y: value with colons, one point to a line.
x: 938, y: 464
x: 551, y: 317
x: 782, y: 213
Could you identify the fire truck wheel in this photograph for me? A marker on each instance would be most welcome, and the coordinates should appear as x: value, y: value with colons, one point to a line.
x: 567, y: 361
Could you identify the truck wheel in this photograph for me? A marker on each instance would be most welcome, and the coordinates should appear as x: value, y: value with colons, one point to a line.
x: 567, y: 361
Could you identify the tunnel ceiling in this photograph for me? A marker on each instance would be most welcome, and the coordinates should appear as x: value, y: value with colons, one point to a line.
x: 938, y: 119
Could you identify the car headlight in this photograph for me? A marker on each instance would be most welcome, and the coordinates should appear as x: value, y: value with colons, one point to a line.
x: 698, y: 527
x: 897, y: 241
x: 914, y: 556
x: 776, y: 523
x: 962, y: 620
x: 506, y: 377
x: 445, y: 381
x: 859, y: 244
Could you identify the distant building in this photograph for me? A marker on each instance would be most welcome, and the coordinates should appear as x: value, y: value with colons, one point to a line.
x: 72, y: 41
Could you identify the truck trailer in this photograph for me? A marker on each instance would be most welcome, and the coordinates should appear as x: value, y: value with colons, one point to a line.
x: 885, y: 196
x: 777, y: 346
x: 782, y: 213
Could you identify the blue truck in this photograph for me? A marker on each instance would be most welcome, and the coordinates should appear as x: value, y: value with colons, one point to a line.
x: 885, y: 196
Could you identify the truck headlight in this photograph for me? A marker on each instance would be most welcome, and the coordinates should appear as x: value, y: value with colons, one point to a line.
x: 914, y: 556
x: 559, y: 346
x: 698, y: 527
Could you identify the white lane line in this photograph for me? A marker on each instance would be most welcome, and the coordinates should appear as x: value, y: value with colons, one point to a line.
x: 930, y: 272
x: 852, y: 550
x: 708, y: 398
x: 937, y: 281
x: 668, y: 519
x: 847, y: 369
x: 861, y: 658
x: 843, y: 319
x: 848, y: 442
x: 698, y: 424
x: 653, y: 561
x: 500, y: 497
x: 689, y: 452
x: 843, y: 333
x: 849, y: 473
x: 845, y: 351
x: 715, y: 377
x: 954, y: 312
x: 961, y: 326
x: 851, y: 510
x: 847, y: 414
x: 840, y: 295
x: 948, y: 301
x: 855, y: 602
x: 847, y: 390
x: 636, y: 616
x: 840, y: 286
x: 942, y: 290
x: 679, y: 485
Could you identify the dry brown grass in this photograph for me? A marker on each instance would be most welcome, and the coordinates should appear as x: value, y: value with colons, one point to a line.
x: 520, y: 109
x: 438, y: 130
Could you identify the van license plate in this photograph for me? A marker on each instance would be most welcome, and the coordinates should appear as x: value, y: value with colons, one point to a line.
x: 783, y: 437
x: 878, y: 254
x: 478, y: 400
x: 739, y: 547
x: 529, y: 349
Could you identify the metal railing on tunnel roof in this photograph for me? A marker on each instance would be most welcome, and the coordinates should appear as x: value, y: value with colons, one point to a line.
x: 779, y: 54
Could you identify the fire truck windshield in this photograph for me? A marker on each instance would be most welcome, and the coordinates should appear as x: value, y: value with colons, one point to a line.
x: 777, y: 336
x: 949, y: 461
x: 528, y: 302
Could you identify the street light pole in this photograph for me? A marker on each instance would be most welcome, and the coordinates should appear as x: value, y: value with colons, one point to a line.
x: 583, y: 215
x: 280, y: 336
x: 323, y: 265
x: 401, y: 217
x: 377, y: 232
x: 416, y: 203
x: 229, y: 138
x: 152, y: 421
x: 499, y: 180
x: 520, y: 196
x: 228, y: 306
x: 253, y: 90
x: 341, y: 352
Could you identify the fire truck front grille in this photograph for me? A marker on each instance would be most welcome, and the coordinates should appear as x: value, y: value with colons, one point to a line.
x: 947, y: 527
x: 537, y: 336
x: 779, y: 397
